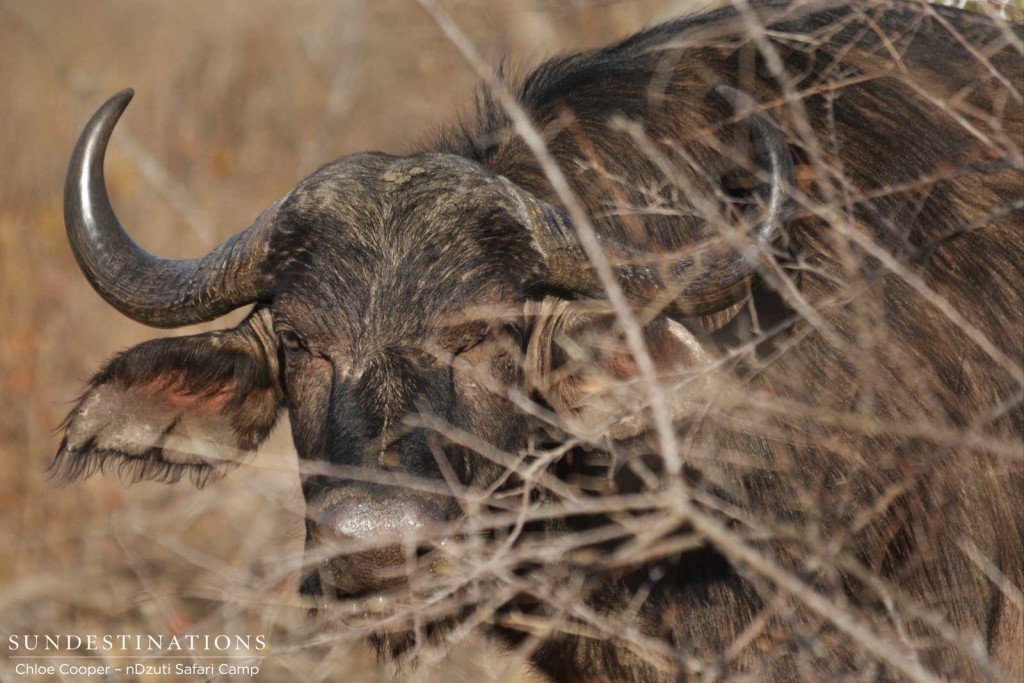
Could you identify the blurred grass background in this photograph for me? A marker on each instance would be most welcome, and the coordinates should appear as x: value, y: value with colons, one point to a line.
x: 237, y: 100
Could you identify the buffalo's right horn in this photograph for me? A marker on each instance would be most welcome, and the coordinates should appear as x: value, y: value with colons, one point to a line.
x: 706, y: 282
x: 152, y: 290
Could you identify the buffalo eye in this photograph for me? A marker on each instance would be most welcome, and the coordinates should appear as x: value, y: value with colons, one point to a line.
x: 491, y: 333
x: 291, y: 341
x: 470, y: 345
x: 473, y: 339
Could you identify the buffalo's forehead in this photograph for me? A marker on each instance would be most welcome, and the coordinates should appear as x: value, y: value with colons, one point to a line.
x: 391, y: 245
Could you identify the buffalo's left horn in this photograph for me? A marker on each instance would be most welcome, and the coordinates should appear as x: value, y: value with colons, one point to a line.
x: 701, y: 284
x: 152, y: 290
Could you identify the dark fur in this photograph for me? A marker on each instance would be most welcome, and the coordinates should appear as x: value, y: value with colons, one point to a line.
x: 376, y: 259
x: 962, y: 235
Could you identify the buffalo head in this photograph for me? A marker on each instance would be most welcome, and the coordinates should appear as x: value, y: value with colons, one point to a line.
x: 390, y: 319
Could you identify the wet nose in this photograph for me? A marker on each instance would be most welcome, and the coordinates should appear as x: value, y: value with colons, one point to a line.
x: 368, y: 536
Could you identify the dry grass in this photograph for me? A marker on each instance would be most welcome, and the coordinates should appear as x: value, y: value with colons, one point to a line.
x: 235, y: 103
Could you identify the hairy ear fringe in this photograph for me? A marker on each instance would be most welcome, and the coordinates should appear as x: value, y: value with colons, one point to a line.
x: 76, y: 464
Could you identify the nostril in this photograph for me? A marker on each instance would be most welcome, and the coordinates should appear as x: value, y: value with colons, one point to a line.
x: 368, y: 537
x: 348, y: 520
x: 359, y: 515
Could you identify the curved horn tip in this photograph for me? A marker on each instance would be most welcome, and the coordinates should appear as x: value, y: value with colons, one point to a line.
x: 116, y: 104
x: 124, y: 96
x: 97, y: 130
x: 110, y: 111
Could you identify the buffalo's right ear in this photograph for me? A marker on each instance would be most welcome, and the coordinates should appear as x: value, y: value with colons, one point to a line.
x: 183, y: 405
x: 578, y: 363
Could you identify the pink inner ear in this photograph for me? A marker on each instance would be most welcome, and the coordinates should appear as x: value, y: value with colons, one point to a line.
x: 171, y: 392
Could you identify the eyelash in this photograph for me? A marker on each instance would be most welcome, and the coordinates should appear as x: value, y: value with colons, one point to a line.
x: 471, y: 345
x: 490, y: 333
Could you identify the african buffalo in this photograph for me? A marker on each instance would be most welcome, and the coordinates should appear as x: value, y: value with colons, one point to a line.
x: 717, y: 331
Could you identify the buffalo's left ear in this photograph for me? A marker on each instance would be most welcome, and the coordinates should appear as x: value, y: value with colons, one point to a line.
x: 186, y: 405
